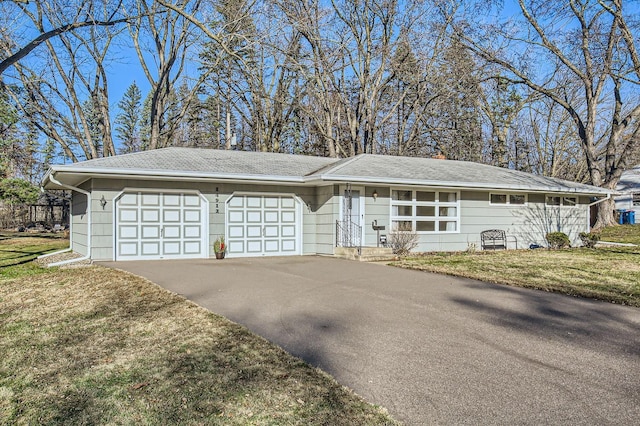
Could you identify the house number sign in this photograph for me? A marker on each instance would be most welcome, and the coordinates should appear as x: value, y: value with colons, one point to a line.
x: 217, y: 201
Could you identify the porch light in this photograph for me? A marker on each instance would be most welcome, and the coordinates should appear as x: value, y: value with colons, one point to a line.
x: 103, y: 202
x: 375, y: 195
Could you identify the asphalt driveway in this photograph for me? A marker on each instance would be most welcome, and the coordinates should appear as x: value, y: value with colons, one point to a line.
x: 431, y: 349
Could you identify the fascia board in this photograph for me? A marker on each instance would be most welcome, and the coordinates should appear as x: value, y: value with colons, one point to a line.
x: 462, y: 185
x: 177, y: 175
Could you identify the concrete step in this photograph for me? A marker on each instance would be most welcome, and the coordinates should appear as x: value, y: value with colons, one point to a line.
x: 367, y: 254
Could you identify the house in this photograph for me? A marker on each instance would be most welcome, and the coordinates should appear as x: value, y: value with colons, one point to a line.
x: 174, y: 202
x: 629, y: 190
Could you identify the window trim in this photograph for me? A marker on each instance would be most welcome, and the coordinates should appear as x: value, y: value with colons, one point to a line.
x: 436, y: 204
x: 562, y: 203
x: 508, y: 203
x: 635, y: 199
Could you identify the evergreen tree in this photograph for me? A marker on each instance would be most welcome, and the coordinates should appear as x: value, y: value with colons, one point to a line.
x: 129, y: 119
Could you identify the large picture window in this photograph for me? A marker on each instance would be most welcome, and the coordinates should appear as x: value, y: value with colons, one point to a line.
x: 425, y: 211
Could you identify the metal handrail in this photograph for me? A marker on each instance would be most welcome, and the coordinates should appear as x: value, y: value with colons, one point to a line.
x: 348, y: 234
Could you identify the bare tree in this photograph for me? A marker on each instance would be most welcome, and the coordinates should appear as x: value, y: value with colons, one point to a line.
x: 591, y: 70
x: 52, y: 96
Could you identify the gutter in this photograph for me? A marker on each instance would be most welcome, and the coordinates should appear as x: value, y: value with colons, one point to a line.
x: 608, y: 197
x: 88, y: 194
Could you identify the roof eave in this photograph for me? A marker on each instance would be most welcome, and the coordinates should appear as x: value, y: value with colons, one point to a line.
x: 462, y: 185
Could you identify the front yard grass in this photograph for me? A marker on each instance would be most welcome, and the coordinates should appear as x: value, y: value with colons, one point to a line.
x: 605, y: 273
x: 100, y: 346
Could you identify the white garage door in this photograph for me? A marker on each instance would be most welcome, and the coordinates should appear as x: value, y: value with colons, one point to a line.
x: 152, y: 225
x: 262, y: 225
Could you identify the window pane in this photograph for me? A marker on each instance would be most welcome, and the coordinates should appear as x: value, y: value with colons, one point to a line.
x: 553, y: 201
x: 401, y: 195
x: 423, y: 211
x: 425, y: 196
x: 448, y: 197
x: 636, y: 198
x: 569, y: 201
x: 447, y: 212
x: 516, y: 199
x: 426, y: 226
x: 498, y: 198
x: 447, y: 226
x: 401, y: 225
x: 402, y: 211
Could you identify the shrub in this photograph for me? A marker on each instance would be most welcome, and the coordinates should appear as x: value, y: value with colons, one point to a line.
x: 558, y: 240
x: 402, y: 240
x: 589, y: 239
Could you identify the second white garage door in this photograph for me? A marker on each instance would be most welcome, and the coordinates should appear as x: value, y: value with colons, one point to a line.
x: 263, y: 225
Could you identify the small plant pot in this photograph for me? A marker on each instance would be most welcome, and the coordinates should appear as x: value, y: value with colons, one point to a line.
x: 220, y: 255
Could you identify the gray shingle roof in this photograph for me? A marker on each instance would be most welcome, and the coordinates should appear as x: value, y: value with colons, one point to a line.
x: 630, y: 180
x: 210, y: 163
x: 413, y: 170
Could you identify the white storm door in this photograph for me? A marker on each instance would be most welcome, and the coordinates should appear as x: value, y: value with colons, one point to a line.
x: 160, y: 225
x: 262, y: 225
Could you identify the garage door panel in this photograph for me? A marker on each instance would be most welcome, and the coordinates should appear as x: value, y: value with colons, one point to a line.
x: 236, y: 246
x: 128, y: 232
x: 150, y: 215
x: 128, y: 215
x: 288, y: 231
x: 236, y: 216
x: 271, y: 230
x: 191, y: 200
x: 192, y: 247
x: 271, y: 216
x: 171, y: 248
x: 171, y: 231
x: 262, y: 225
x: 150, y: 231
x: 171, y: 215
x: 289, y: 245
x: 254, y: 231
x: 271, y: 246
x: 150, y: 200
x: 171, y: 200
x: 192, y: 232
x: 192, y: 215
x: 152, y: 225
x: 254, y: 246
x: 128, y: 249
x: 254, y: 216
x: 150, y: 248
x: 236, y: 231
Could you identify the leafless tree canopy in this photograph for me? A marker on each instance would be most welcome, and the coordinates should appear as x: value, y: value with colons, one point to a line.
x: 546, y: 87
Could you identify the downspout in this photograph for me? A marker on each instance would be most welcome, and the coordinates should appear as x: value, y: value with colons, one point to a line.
x: 88, y: 194
x: 608, y: 197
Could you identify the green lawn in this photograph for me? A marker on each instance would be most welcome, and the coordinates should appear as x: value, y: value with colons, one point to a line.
x: 100, y: 346
x: 604, y: 273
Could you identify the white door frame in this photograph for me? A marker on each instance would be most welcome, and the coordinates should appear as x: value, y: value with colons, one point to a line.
x: 360, y: 190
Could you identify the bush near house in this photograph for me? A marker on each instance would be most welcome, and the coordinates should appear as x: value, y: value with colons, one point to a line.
x: 558, y: 240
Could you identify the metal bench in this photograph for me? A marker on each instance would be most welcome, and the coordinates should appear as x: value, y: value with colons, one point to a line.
x: 495, y: 239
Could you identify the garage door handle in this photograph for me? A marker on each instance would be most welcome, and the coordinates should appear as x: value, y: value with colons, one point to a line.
x: 263, y: 230
x: 162, y: 232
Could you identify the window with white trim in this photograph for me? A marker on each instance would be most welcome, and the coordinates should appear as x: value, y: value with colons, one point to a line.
x: 425, y: 211
x: 503, y: 199
x: 565, y: 201
x: 636, y: 199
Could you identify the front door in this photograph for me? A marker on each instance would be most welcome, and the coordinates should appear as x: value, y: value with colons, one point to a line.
x: 352, y: 214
